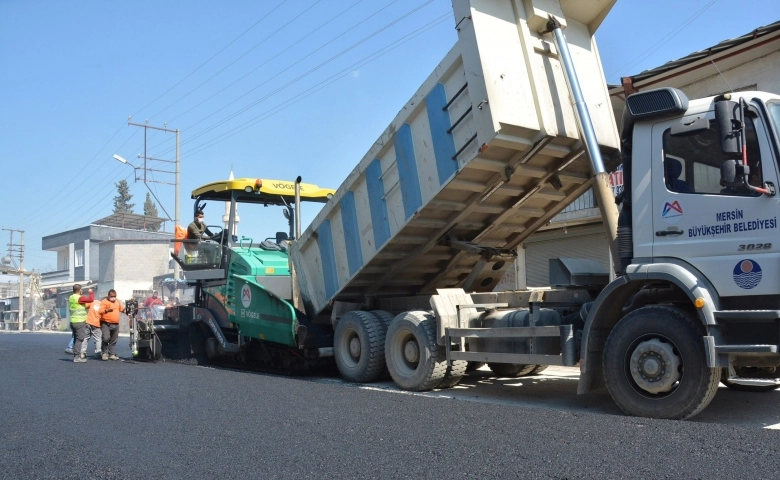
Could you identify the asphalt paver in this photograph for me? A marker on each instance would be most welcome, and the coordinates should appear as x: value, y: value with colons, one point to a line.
x: 121, y: 419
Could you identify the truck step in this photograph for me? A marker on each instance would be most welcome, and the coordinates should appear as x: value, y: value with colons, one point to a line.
x: 733, y: 316
x: 746, y: 348
x: 754, y: 382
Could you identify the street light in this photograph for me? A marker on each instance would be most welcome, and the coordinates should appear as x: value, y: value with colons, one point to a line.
x: 176, y: 220
x: 117, y: 157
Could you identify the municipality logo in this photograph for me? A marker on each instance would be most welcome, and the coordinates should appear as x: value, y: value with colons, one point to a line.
x: 747, y: 274
x: 672, y: 211
x: 246, y: 296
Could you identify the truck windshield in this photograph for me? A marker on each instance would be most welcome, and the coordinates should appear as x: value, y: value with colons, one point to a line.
x: 774, y: 114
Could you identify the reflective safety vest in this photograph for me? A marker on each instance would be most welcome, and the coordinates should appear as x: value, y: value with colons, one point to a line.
x: 78, y: 313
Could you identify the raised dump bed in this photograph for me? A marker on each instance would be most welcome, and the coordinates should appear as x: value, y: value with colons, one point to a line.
x: 485, y: 153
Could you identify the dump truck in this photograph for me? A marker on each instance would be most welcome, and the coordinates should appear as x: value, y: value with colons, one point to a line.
x: 395, y: 275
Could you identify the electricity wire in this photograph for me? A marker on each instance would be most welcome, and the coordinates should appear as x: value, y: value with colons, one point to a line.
x: 664, y: 40
x: 306, y: 93
x: 285, y: 50
x: 291, y: 82
x: 210, y: 58
x: 237, y: 59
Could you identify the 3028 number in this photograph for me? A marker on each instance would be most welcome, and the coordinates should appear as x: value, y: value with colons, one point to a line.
x: 754, y: 246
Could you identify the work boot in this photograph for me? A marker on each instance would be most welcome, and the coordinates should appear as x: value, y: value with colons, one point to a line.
x: 80, y: 358
x: 98, y: 354
x: 69, y: 350
x: 104, y: 356
x: 113, y: 357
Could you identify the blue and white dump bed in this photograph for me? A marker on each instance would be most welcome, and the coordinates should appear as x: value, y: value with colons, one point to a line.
x: 486, y: 152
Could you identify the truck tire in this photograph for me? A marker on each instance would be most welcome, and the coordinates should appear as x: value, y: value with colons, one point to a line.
x: 538, y: 369
x: 414, y: 359
x: 512, y: 370
x: 358, y: 345
x: 384, y: 318
x: 655, y: 364
x: 750, y: 372
x: 454, y: 374
x: 474, y: 366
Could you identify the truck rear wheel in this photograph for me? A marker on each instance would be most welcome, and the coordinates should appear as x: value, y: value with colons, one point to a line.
x: 474, y: 366
x: 655, y: 364
x: 454, y: 374
x: 414, y: 359
x: 358, y: 345
x: 512, y: 370
x: 750, y: 372
x: 384, y: 318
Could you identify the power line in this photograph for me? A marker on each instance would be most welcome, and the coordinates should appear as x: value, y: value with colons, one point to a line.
x: 286, y: 49
x: 97, y: 206
x: 289, y: 67
x: 68, y: 184
x: 211, y: 58
x: 237, y: 59
x: 664, y: 40
x: 270, y: 112
x: 293, y: 81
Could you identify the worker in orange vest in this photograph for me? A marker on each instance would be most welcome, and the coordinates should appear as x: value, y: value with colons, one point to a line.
x: 93, y: 329
x: 110, y: 309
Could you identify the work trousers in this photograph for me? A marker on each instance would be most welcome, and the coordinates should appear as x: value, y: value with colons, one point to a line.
x: 79, y: 330
x: 110, y: 336
x: 94, y: 333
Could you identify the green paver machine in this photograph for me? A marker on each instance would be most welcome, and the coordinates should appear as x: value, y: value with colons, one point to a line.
x: 245, y: 296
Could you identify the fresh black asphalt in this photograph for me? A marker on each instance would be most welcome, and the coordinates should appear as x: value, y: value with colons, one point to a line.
x: 166, y: 420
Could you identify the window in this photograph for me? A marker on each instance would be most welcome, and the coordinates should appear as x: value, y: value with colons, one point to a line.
x: 64, y: 261
x: 79, y: 262
x: 692, y: 163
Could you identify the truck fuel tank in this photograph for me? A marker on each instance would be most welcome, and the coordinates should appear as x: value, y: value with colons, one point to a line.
x: 541, y: 317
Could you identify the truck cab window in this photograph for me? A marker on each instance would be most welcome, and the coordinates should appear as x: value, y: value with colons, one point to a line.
x: 692, y: 163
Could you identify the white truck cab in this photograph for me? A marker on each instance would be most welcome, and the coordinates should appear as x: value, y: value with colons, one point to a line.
x: 700, y: 256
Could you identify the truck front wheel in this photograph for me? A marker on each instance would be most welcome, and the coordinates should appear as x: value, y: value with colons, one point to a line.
x: 655, y: 364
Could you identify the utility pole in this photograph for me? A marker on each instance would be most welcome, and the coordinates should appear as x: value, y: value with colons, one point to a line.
x: 17, y: 250
x: 176, y: 174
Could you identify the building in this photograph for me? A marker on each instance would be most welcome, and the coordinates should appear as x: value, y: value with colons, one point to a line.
x: 749, y: 62
x: 114, y: 252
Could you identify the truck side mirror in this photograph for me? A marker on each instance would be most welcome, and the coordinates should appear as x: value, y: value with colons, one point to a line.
x: 729, y: 126
x: 733, y: 173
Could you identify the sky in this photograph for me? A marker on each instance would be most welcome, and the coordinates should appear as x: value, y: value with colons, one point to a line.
x: 270, y: 89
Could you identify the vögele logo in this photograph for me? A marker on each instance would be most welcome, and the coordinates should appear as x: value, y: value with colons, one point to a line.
x: 672, y: 211
x: 246, y: 296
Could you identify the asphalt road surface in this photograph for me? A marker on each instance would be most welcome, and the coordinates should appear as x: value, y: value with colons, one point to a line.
x: 120, y: 419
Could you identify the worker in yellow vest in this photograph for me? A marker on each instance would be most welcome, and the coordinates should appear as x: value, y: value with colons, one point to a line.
x: 78, y: 319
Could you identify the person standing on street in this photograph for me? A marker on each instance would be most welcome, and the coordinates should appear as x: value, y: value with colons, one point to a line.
x: 83, y: 300
x: 78, y: 321
x: 109, y: 311
x: 93, y: 329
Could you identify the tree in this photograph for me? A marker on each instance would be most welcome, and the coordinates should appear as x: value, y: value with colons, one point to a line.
x: 150, y: 210
x: 122, y: 200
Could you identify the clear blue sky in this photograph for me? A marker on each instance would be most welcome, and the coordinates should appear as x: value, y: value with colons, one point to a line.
x: 272, y: 89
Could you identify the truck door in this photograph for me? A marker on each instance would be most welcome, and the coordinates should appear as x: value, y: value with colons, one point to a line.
x: 730, y: 235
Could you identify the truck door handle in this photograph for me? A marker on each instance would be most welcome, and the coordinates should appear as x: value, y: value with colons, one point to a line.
x: 663, y: 233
